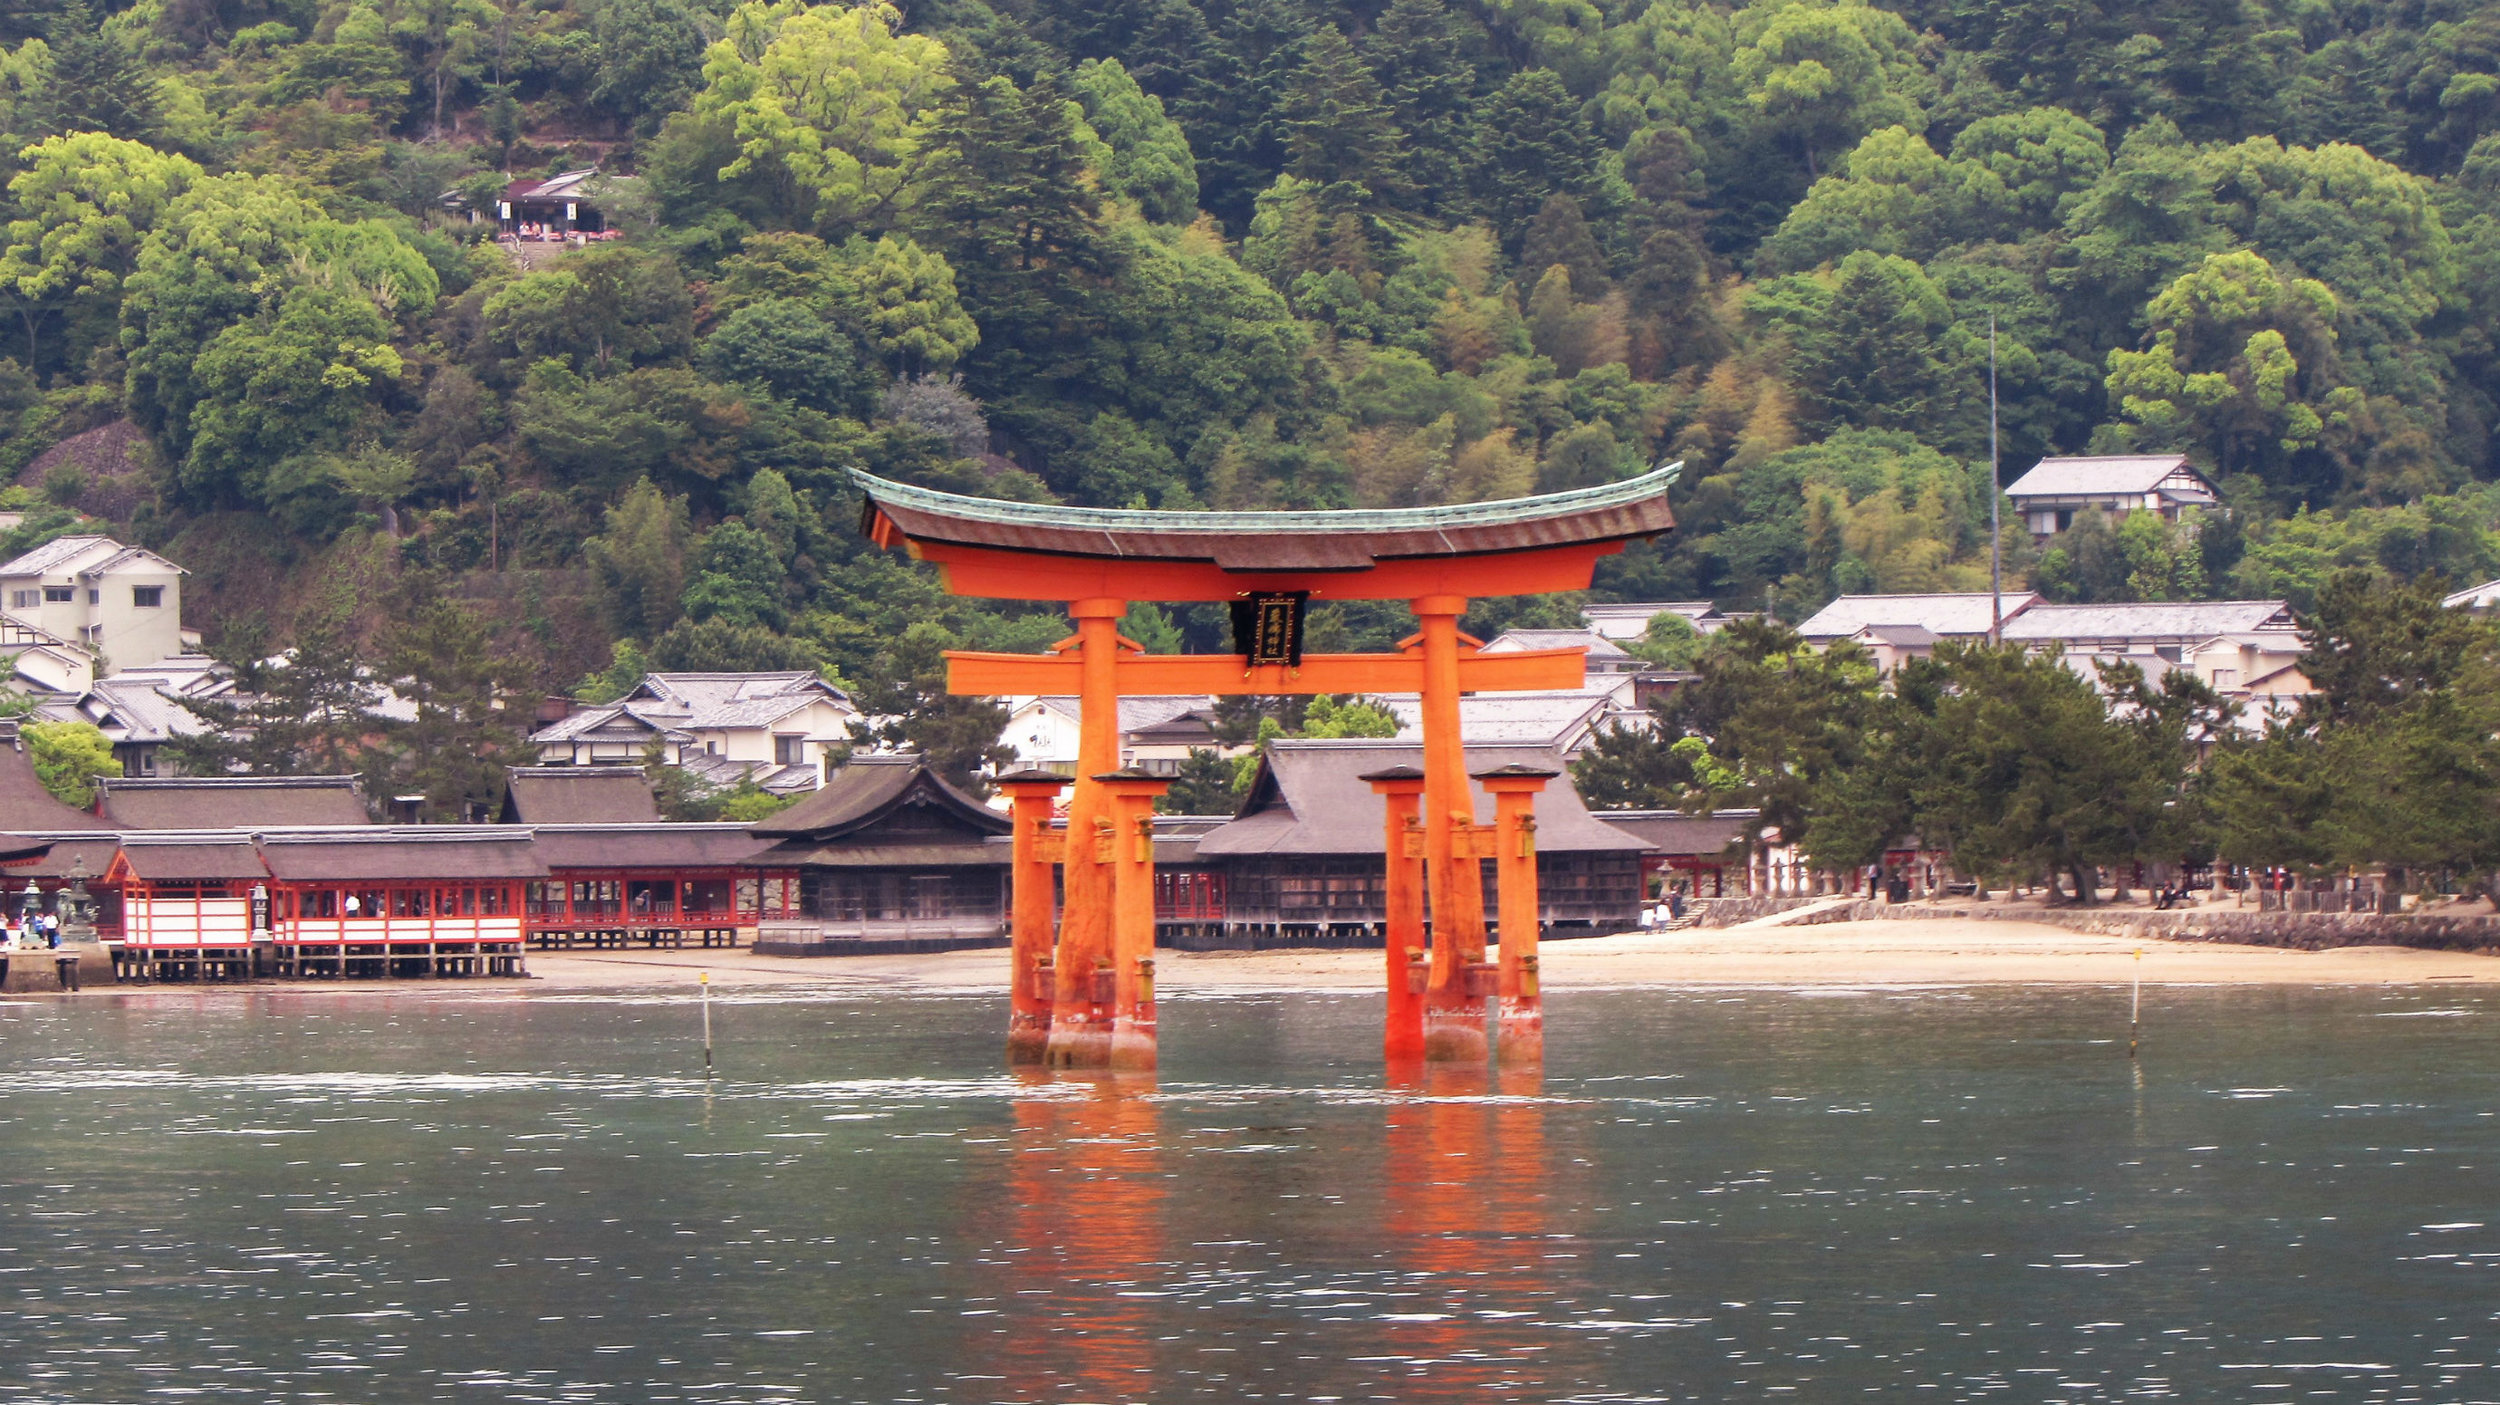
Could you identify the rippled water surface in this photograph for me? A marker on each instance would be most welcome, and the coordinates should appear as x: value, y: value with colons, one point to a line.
x: 1708, y: 1196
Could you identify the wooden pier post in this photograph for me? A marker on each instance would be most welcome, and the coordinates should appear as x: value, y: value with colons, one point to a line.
x: 1408, y: 958
x: 1520, y: 1019
x: 1036, y: 849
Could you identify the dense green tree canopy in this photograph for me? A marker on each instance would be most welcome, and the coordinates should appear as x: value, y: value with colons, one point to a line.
x: 1275, y: 254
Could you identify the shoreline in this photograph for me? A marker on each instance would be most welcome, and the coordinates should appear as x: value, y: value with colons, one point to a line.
x: 1911, y: 953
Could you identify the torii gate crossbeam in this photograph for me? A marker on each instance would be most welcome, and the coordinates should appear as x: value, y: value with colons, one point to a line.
x: 1084, y: 996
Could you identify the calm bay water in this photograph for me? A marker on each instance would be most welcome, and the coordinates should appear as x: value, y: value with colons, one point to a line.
x: 1937, y: 1195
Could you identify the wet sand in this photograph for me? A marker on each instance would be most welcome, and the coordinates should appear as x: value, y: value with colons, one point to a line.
x: 1912, y: 953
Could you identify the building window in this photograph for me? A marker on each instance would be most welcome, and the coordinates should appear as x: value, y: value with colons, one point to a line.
x: 58, y: 595
x: 95, y: 597
x: 23, y: 599
x: 789, y: 751
x: 147, y: 597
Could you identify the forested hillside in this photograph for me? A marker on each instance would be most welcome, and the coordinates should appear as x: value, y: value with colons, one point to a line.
x: 1232, y: 253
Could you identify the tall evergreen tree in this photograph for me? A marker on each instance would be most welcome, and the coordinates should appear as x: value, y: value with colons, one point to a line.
x: 97, y: 83
x: 1013, y: 205
x: 453, y: 747
x: 1532, y: 142
x: 1338, y: 132
x: 1415, y: 52
x: 304, y: 712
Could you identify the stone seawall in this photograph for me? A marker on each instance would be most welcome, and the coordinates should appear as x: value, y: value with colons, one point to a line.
x: 1727, y: 912
x: 2298, y: 931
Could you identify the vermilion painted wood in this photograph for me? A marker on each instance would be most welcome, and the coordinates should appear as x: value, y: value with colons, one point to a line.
x: 1165, y: 675
x: 1000, y: 574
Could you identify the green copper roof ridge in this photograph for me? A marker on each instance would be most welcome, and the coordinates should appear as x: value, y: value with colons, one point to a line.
x: 1383, y: 519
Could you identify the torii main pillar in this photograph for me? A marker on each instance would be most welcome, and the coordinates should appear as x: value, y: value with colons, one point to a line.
x: 1268, y: 566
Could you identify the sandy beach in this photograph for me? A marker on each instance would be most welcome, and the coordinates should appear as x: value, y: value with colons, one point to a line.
x: 1911, y: 953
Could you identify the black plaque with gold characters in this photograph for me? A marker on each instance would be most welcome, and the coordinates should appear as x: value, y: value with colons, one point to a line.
x: 1267, y: 627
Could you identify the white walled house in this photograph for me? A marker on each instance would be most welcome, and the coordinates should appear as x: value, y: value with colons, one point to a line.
x: 2168, y: 629
x: 2049, y: 496
x: 1944, y: 616
x: 1630, y: 620
x: 779, y: 729
x: 121, y: 605
x: 1156, y: 733
x: 1605, y: 655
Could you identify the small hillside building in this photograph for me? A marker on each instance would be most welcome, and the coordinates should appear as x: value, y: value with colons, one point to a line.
x: 119, y: 605
x: 1157, y: 733
x: 1605, y: 655
x: 1624, y: 621
x: 1944, y: 616
x: 551, y: 208
x: 2049, y: 496
x: 2169, y: 629
x: 779, y: 729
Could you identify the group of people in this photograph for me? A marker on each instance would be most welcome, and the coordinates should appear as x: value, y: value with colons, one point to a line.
x: 39, y: 931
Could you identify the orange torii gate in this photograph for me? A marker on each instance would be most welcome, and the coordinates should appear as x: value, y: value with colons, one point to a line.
x: 1087, y: 1000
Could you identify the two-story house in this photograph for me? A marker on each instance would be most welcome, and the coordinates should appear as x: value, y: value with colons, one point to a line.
x: 779, y: 729
x: 2049, y: 496
x: 120, y: 605
x: 1156, y: 733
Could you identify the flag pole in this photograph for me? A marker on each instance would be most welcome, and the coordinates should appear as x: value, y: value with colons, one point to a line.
x: 1996, y: 531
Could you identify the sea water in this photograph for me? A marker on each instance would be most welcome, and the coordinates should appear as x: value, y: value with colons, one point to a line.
x: 1939, y: 1194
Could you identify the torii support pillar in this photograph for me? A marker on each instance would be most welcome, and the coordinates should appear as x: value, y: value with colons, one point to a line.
x: 1521, y: 1017
x: 1133, y: 795
x: 1080, y: 1021
x: 1409, y: 966
x: 1454, y: 1000
x: 1037, y: 848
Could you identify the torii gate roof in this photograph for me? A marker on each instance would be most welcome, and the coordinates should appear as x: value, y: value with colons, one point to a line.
x: 1038, y: 551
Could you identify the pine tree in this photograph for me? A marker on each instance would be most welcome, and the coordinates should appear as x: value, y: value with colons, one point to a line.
x: 1430, y: 87
x: 1560, y: 236
x: 1337, y: 129
x: 97, y: 83
x: 1013, y: 206
x: 453, y: 747
x: 304, y: 712
x: 1532, y: 143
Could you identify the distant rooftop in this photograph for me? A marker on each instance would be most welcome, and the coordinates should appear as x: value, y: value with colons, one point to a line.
x: 1630, y: 619
x: 2114, y: 474
x: 2481, y: 597
x: 1947, y: 616
x: 2188, y: 621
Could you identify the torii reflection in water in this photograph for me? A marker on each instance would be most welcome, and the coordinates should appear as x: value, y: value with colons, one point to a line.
x: 1137, y: 1259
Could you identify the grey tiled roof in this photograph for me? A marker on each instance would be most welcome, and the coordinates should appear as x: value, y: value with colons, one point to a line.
x: 2083, y: 477
x: 50, y: 556
x: 700, y: 702
x: 1310, y: 798
x: 1963, y: 615
x: 1598, y: 645
x: 2194, y: 620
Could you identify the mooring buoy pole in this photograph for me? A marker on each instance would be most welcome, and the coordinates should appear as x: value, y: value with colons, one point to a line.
x: 2135, y: 1003
x: 704, y: 979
